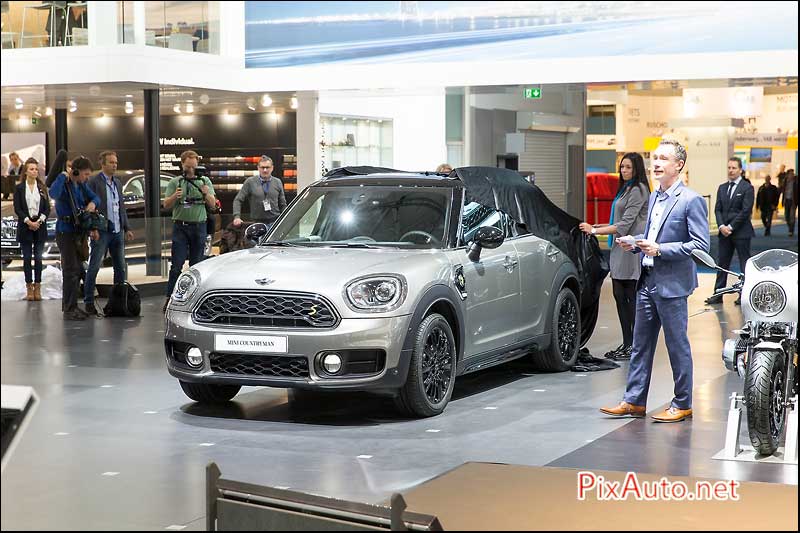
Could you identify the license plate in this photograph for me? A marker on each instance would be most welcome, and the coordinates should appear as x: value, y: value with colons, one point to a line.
x: 250, y: 344
x: 10, y: 244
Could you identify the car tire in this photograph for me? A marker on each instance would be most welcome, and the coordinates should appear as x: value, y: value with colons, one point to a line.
x: 205, y: 393
x: 434, y: 349
x: 562, y: 353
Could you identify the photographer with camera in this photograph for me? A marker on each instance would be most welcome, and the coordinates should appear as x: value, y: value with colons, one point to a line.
x: 76, y: 205
x: 189, y: 196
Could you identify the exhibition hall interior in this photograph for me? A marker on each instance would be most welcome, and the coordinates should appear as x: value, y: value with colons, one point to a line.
x: 399, y: 265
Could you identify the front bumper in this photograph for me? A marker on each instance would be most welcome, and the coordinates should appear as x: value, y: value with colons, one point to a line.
x: 386, y: 334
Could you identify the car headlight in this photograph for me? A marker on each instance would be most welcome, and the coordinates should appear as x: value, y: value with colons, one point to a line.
x: 51, y: 225
x: 376, y: 294
x: 768, y: 298
x: 185, y: 286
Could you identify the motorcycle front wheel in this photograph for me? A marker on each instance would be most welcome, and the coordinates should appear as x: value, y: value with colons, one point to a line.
x: 764, y: 389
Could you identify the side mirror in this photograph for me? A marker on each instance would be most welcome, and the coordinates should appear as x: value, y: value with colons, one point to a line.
x: 486, y: 237
x: 702, y: 258
x: 255, y: 232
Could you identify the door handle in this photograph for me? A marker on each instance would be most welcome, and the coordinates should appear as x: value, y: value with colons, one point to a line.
x: 510, y: 263
x: 552, y: 252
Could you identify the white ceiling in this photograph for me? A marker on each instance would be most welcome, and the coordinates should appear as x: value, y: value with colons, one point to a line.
x: 110, y: 98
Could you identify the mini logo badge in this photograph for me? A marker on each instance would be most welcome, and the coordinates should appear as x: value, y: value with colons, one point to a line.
x: 265, y: 281
x: 313, y: 311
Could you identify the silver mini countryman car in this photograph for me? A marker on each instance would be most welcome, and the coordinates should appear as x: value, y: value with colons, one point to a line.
x: 388, y: 282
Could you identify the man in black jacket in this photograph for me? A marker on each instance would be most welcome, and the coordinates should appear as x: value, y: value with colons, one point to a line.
x: 733, y: 210
x: 767, y: 202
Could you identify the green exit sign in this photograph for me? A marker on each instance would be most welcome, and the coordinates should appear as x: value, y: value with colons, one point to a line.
x: 34, y: 120
x: 533, y: 92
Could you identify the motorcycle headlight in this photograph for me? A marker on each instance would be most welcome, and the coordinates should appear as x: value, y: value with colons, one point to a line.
x: 376, y: 294
x: 768, y: 298
x: 185, y: 286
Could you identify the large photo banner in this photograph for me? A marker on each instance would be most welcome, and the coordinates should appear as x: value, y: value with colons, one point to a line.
x: 285, y: 34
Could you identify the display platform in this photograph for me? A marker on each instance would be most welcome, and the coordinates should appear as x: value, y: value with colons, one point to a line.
x: 491, y: 497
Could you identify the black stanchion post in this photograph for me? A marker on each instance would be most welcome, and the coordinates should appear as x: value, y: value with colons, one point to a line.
x: 152, y: 186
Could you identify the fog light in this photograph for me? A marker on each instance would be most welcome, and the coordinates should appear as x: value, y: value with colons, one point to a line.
x: 332, y: 363
x: 194, y: 357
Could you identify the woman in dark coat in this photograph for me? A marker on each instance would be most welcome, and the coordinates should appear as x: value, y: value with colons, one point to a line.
x: 628, y: 217
x: 32, y: 206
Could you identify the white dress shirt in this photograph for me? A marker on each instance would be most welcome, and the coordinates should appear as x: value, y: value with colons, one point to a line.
x: 655, y: 217
x: 32, y: 198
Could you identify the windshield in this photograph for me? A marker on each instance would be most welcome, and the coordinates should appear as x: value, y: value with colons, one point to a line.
x: 774, y: 260
x: 403, y: 217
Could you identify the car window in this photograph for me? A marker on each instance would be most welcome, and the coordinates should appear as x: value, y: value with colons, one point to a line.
x: 475, y: 216
x: 133, y: 188
x: 405, y: 217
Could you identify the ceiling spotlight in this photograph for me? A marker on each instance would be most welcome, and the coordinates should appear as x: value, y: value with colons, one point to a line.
x: 129, y: 107
x: 293, y: 102
x: 94, y: 90
x: 266, y: 101
x: 73, y: 106
x: 128, y: 96
x: 177, y: 108
x: 38, y: 111
x: 204, y: 99
x: 18, y: 103
x: 48, y: 111
x: 189, y: 107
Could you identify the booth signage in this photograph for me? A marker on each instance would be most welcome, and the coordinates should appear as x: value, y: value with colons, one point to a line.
x: 601, y: 142
x: 765, y: 140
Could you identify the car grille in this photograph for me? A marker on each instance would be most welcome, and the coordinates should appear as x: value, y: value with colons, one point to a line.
x: 266, y: 309
x: 259, y: 365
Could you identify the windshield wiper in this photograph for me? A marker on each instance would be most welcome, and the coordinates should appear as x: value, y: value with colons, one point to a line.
x: 277, y: 243
x: 352, y: 245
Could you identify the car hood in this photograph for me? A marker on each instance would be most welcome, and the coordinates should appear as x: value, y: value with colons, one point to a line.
x: 324, y: 271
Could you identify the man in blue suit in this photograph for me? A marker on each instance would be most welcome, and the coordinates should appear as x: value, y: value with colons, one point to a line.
x: 677, y: 223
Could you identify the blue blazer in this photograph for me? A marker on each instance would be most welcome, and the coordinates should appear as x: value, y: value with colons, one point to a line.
x: 684, y: 227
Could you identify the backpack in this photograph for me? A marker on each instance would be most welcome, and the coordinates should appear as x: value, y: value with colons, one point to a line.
x: 124, y: 300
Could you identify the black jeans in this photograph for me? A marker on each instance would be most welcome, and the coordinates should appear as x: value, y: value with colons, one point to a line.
x: 70, y: 269
x: 766, y: 219
x: 32, y: 258
x: 188, y: 242
x: 726, y: 248
x: 625, y: 296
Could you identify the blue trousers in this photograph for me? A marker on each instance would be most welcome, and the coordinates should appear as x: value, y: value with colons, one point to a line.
x: 32, y: 258
x: 652, y: 313
x: 188, y: 242
x: 115, y: 244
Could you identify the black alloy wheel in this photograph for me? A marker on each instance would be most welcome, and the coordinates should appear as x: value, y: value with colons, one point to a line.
x: 431, y: 370
x: 568, y: 330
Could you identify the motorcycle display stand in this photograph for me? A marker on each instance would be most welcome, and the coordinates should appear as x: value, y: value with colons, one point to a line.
x: 734, y: 451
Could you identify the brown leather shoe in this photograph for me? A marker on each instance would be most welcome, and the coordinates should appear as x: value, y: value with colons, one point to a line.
x: 625, y: 409
x: 673, y: 414
x: 29, y: 293
x: 37, y: 292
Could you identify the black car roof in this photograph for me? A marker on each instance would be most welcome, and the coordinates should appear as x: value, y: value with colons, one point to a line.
x: 410, y: 179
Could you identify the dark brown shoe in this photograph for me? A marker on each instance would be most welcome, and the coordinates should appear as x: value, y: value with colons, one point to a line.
x: 92, y: 311
x: 673, y: 414
x: 625, y: 409
x: 74, y: 315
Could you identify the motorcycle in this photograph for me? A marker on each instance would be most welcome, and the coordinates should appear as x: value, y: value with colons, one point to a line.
x: 765, y: 353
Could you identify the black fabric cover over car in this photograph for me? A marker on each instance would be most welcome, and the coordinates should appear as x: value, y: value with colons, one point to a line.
x: 507, y: 191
